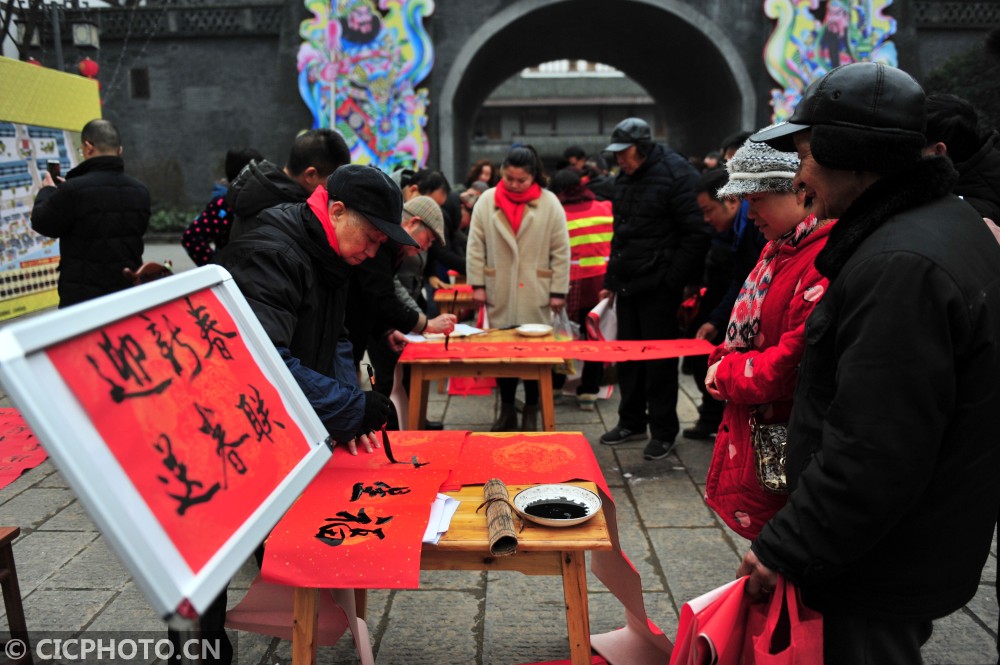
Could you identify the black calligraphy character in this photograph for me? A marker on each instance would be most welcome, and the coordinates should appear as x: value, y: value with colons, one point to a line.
x: 209, y: 330
x: 167, y: 350
x: 225, y: 450
x: 258, y: 414
x: 179, y: 472
x: 379, y: 489
x: 339, y: 527
x: 127, y: 359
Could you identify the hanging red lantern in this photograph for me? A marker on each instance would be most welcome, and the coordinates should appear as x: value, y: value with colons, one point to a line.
x: 88, y: 68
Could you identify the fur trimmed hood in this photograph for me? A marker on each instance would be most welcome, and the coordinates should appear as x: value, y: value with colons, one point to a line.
x: 927, y: 180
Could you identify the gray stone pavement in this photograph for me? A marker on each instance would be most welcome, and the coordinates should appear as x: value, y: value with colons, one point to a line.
x: 70, y: 581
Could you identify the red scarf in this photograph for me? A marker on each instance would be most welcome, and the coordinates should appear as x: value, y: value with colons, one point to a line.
x: 319, y: 203
x: 512, y: 204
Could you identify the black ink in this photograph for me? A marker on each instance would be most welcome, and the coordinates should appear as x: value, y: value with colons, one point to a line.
x: 127, y: 359
x: 179, y: 471
x: 167, y: 349
x: 379, y: 489
x: 225, y: 450
x: 339, y: 528
x: 209, y: 330
x: 257, y: 414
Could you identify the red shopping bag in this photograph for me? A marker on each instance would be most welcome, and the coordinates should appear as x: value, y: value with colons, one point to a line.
x: 711, y: 628
x: 784, y: 631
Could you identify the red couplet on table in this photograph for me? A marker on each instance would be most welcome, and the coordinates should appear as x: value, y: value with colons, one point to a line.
x: 602, y: 351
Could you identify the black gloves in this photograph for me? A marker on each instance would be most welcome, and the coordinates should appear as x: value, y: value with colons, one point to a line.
x: 377, y: 409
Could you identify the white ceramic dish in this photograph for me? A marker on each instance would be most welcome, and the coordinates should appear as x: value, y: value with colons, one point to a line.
x: 533, y: 329
x: 557, y: 505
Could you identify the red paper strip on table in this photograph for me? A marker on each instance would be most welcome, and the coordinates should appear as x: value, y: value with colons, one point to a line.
x: 19, y: 449
x: 361, y: 522
x: 609, y: 352
x: 181, y: 403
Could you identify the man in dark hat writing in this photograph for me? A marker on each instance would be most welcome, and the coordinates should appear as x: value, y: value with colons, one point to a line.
x: 892, y: 459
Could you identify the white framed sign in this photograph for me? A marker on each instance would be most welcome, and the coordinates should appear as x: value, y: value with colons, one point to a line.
x: 176, y: 423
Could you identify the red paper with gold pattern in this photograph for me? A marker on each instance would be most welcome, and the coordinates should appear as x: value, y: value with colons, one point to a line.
x: 183, y: 406
x: 361, y: 522
x: 523, y: 458
x: 610, y: 352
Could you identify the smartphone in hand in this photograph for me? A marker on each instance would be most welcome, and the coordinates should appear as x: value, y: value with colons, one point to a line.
x: 54, y: 168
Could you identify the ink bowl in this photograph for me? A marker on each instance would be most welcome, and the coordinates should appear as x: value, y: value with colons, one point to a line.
x: 557, y: 505
x: 533, y: 329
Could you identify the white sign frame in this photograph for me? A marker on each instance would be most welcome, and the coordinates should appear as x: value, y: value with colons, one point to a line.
x: 102, y: 486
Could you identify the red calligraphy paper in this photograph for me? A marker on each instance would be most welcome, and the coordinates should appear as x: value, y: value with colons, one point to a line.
x: 326, y: 541
x: 609, y: 352
x: 523, y: 458
x: 19, y: 449
x: 355, y: 528
x: 194, y: 423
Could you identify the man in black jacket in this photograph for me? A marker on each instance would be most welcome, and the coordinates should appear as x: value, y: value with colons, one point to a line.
x: 658, y: 247
x: 292, y: 262
x: 99, y: 215
x: 892, y: 461
x: 315, y: 154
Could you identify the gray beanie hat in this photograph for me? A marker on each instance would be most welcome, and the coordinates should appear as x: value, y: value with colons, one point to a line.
x: 757, y: 168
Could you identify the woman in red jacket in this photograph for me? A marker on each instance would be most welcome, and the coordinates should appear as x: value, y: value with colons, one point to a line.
x: 756, y: 366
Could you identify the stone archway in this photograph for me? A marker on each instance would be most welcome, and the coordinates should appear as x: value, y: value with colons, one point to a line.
x: 685, y: 61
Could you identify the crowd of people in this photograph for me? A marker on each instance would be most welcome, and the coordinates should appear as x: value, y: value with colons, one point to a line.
x: 853, y: 298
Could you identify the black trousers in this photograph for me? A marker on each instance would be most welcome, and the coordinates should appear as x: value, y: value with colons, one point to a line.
x: 649, y: 387
x: 508, y: 388
x: 849, y: 639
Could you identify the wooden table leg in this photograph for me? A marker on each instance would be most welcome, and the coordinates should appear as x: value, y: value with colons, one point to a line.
x: 305, y: 624
x: 418, y: 398
x: 361, y: 602
x: 574, y: 574
x: 547, y: 398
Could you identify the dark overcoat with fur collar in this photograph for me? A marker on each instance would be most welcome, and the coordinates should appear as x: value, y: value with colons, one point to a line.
x: 892, y: 457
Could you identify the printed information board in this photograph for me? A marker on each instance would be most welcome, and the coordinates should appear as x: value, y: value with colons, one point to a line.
x: 174, y: 420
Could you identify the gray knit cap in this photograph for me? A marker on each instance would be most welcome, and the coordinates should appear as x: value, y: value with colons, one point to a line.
x: 757, y: 168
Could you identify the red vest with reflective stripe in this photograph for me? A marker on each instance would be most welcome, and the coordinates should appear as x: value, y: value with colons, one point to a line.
x: 590, y: 229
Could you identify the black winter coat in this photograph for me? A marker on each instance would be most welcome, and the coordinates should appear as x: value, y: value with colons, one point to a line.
x: 262, y: 185
x: 979, y: 179
x: 892, y: 453
x: 372, y: 304
x: 99, y: 215
x: 297, y: 286
x: 659, y: 239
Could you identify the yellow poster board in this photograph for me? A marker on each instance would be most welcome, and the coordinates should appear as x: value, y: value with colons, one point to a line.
x: 41, y: 114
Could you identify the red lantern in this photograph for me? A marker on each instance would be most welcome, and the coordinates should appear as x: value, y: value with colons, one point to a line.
x: 88, y: 68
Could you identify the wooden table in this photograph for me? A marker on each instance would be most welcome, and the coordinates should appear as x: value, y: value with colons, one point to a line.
x: 529, y: 369
x: 540, y: 551
x: 449, y: 304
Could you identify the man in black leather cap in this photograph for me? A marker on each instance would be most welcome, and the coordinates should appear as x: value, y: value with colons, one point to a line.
x: 658, y: 247
x: 892, y: 459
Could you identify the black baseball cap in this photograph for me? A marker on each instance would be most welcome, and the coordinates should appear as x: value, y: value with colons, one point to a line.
x: 629, y: 132
x: 367, y: 190
x: 866, y: 96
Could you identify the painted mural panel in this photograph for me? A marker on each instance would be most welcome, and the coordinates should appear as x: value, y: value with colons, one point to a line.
x: 811, y: 37
x: 359, y: 67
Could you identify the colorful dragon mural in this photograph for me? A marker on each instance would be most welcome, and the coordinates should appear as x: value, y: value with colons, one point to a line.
x: 802, y: 48
x: 359, y: 66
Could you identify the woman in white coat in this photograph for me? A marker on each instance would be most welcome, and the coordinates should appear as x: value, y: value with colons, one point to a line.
x: 517, y: 261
